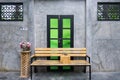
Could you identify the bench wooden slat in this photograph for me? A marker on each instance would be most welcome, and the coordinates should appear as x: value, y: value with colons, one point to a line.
x: 57, y: 63
x: 48, y: 55
x: 60, y: 49
x: 38, y: 52
x: 77, y: 55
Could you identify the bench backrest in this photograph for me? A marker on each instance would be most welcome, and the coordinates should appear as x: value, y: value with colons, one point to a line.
x: 60, y: 51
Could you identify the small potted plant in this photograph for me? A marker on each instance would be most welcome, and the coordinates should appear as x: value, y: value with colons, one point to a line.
x: 25, y: 58
x: 25, y: 46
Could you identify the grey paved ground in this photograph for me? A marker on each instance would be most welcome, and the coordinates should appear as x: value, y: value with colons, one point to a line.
x: 62, y: 76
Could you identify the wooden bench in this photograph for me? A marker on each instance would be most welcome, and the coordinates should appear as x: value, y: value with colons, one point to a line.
x: 65, y: 55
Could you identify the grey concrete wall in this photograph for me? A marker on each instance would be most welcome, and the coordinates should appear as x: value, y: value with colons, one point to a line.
x: 103, y: 39
x: 10, y: 37
x: 59, y: 7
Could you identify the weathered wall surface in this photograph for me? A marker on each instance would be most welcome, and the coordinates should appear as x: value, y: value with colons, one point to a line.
x: 59, y: 7
x: 103, y: 39
x: 10, y: 37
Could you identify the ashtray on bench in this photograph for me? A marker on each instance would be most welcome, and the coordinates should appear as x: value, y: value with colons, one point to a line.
x: 65, y: 59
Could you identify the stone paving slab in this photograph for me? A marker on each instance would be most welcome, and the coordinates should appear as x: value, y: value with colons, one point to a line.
x: 62, y: 76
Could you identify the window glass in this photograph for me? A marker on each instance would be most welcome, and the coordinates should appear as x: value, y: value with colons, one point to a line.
x: 54, y: 33
x: 66, y: 43
x: 66, y: 33
x: 53, y: 23
x: 53, y: 43
x: 66, y: 23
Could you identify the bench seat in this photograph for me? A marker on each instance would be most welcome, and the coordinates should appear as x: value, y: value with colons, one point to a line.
x: 65, y: 58
x: 57, y: 63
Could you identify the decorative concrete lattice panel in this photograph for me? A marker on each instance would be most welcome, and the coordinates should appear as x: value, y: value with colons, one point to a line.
x: 25, y: 64
x: 11, y: 11
x: 108, y: 11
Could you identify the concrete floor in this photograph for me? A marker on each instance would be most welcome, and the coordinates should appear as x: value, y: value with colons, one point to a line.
x: 62, y: 76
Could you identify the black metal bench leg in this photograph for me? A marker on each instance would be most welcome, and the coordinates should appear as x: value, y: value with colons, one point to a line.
x: 31, y: 72
x: 85, y: 69
x: 35, y: 68
x: 90, y: 72
x: 85, y: 66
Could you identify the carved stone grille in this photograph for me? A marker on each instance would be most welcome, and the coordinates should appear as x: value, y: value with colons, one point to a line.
x: 11, y: 11
x: 108, y: 11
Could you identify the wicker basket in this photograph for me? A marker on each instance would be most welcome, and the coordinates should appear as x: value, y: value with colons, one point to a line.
x: 65, y: 59
x: 25, y: 64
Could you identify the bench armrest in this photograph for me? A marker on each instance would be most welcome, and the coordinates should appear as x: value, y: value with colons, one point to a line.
x: 32, y: 58
x: 88, y: 58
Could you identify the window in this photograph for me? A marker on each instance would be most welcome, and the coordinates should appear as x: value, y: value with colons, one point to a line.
x: 108, y: 11
x: 11, y: 11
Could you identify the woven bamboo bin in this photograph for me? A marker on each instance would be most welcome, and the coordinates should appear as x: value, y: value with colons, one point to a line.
x: 65, y: 59
x: 25, y: 64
